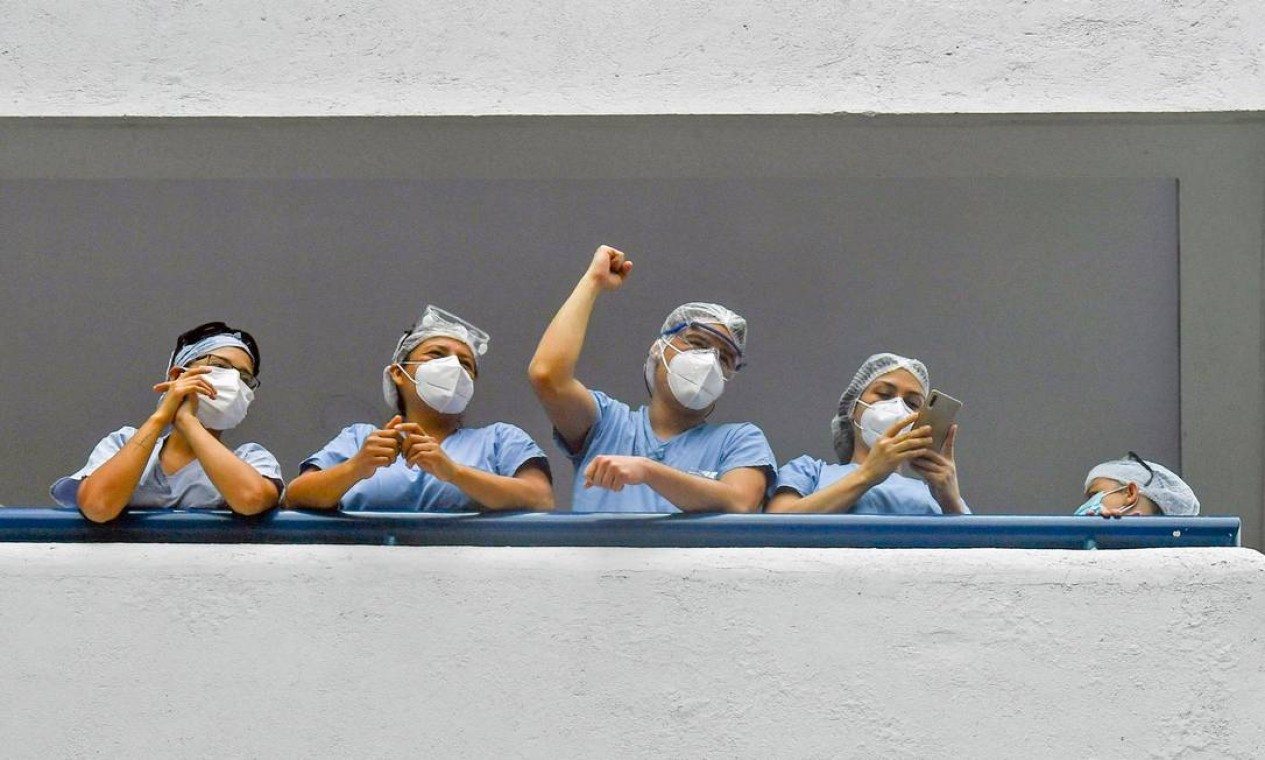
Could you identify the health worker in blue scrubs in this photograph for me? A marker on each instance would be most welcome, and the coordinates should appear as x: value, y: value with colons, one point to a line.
x: 176, y: 457
x: 875, y: 439
x: 424, y: 459
x: 1133, y: 486
x: 664, y: 456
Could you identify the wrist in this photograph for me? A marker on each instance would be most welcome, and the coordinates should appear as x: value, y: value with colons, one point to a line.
x: 590, y: 285
x: 950, y: 502
x: 869, y: 476
x: 159, y: 419
x: 358, y: 471
x: 652, y: 470
x: 457, y: 473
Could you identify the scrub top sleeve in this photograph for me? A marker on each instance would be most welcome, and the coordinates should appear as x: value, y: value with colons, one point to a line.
x: 261, y: 459
x: 343, y: 447
x: 746, y: 446
x: 66, y: 490
x: 607, y: 407
x: 800, y: 475
x: 514, y: 448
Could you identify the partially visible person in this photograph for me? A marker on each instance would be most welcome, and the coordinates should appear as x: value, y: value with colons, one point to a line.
x: 425, y: 459
x: 1133, y: 486
x: 176, y: 458
x: 663, y: 456
x: 874, y: 437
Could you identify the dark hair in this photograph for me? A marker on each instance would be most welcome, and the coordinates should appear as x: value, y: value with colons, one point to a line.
x: 202, y: 332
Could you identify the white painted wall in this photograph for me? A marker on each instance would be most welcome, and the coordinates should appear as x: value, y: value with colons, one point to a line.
x: 323, y: 651
x: 296, y: 57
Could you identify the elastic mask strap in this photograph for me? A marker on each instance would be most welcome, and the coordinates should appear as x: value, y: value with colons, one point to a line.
x: 665, y: 344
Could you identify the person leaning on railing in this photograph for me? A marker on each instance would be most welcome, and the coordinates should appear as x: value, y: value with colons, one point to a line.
x: 424, y: 459
x: 881, y: 403
x: 1133, y: 487
x: 664, y: 457
x: 176, y: 457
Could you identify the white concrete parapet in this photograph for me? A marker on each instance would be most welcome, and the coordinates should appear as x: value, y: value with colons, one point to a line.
x: 401, y: 57
x: 321, y: 651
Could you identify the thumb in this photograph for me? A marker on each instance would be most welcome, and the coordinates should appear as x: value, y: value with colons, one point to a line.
x: 894, y: 430
x: 393, y: 423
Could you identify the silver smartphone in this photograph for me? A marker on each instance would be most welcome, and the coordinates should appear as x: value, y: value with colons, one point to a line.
x: 939, y: 412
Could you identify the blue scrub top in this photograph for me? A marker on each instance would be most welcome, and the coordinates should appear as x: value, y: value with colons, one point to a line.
x: 898, y: 495
x: 499, y: 448
x: 707, y: 450
x: 188, y: 488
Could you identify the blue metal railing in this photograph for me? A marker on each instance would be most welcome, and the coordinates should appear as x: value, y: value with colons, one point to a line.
x: 636, y: 530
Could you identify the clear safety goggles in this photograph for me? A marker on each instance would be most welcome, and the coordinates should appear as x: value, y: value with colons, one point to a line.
x: 444, y: 323
x: 696, y: 335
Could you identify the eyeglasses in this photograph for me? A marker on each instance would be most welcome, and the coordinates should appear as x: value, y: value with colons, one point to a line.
x: 1133, y: 456
x: 730, y: 360
x: 727, y: 368
x: 211, y: 360
x: 211, y: 329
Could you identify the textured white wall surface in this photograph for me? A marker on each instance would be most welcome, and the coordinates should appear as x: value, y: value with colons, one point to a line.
x: 296, y: 57
x: 322, y: 651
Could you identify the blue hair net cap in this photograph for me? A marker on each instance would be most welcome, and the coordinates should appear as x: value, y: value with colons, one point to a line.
x: 1169, y: 492
x: 874, y: 367
x: 205, y: 346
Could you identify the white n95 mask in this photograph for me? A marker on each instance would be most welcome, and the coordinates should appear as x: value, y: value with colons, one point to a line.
x: 878, y: 418
x: 694, y: 376
x: 227, y: 410
x: 444, y: 385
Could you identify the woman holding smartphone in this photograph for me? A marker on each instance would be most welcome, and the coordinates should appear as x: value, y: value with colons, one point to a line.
x: 874, y: 436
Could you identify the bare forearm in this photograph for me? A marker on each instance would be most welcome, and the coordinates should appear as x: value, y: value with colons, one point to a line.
x: 243, y: 488
x: 499, y: 492
x: 104, y: 494
x: 695, y: 493
x: 839, y: 496
x: 559, y: 348
x: 321, y: 489
x: 952, y: 504
x: 568, y: 403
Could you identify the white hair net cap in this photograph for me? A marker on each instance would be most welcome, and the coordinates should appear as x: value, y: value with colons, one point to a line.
x: 874, y: 367
x: 434, y: 323
x: 708, y: 313
x: 1169, y: 492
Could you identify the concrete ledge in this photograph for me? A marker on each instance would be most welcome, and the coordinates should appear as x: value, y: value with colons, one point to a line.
x: 446, y: 56
x: 322, y: 651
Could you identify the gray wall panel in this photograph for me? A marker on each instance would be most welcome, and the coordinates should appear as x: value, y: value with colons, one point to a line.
x: 1218, y: 161
x: 1048, y: 306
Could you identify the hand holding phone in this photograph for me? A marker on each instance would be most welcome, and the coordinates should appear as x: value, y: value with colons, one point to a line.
x: 939, y: 411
